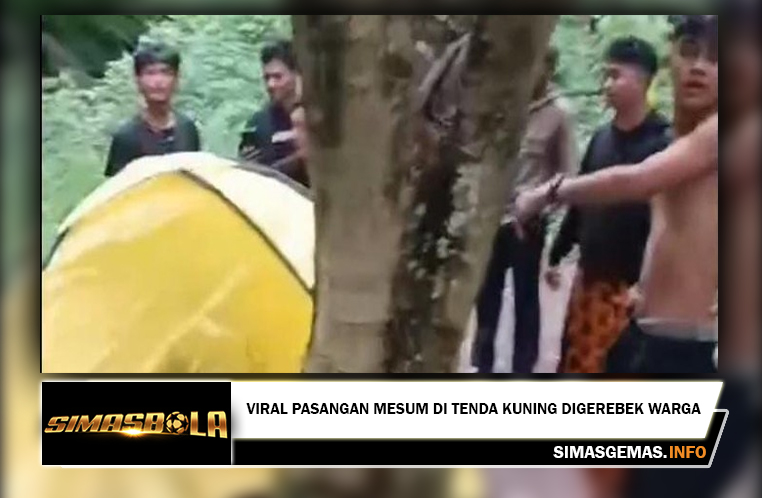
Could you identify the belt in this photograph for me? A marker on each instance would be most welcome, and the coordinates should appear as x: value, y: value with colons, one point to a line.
x: 674, y: 329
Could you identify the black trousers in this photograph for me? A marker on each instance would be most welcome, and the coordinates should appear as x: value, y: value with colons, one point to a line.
x: 524, y: 257
x: 737, y: 441
x: 638, y: 353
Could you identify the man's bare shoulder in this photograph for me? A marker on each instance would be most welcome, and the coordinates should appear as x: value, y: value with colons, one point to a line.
x: 703, y: 144
x: 707, y: 133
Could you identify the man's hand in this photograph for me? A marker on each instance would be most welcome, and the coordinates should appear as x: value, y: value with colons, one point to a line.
x: 250, y: 153
x: 633, y: 300
x: 553, y: 278
x: 530, y: 203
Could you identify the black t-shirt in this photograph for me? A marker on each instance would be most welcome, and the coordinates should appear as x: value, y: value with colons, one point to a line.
x: 612, y: 239
x: 270, y: 132
x: 135, y: 139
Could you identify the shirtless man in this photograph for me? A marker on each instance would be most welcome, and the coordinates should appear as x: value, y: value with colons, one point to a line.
x: 674, y: 329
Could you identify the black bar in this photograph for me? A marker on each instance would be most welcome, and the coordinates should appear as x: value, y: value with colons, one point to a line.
x: 175, y: 445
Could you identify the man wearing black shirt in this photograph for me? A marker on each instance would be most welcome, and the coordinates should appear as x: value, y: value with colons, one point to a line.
x: 269, y: 137
x: 158, y: 129
x: 612, y: 239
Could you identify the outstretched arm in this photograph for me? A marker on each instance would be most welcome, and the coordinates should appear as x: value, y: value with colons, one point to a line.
x: 689, y: 157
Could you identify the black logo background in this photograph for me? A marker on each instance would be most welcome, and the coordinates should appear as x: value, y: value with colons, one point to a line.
x: 94, y: 398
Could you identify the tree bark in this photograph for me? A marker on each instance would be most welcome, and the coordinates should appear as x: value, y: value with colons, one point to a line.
x: 413, y: 123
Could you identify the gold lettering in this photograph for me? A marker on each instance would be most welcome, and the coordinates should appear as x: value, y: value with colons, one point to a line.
x: 54, y: 426
x: 86, y: 425
x: 72, y: 423
x: 133, y: 421
x: 194, y: 425
x: 113, y: 422
x: 218, y: 422
x: 154, y: 422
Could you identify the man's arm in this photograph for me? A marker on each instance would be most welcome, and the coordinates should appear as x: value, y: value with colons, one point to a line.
x: 568, y: 234
x: 195, y: 138
x: 566, y: 238
x: 689, y: 157
x: 118, y: 155
x: 248, y: 148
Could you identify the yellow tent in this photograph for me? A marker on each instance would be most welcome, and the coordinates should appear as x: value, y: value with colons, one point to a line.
x: 184, y: 263
x: 20, y: 393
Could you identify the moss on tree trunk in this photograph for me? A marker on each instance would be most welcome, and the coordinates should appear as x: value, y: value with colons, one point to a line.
x: 410, y: 176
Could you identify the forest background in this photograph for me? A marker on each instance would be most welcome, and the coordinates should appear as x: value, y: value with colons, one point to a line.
x: 221, y: 86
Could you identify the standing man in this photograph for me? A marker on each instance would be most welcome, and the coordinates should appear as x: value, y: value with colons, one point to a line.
x: 612, y: 239
x: 548, y: 149
x: 674, y: 329
x: 737, y: 452
x: 158, y: 128
x: 269, y: 138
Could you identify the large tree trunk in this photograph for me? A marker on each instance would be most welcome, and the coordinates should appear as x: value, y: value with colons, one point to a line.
x: 413, y: 123
x: 411, y: 177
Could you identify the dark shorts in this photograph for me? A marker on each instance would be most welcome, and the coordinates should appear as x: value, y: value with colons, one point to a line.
x: 639, y: 353
x: 735, y: 447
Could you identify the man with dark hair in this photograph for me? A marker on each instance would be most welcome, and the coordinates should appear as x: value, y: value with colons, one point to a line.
x: 673, y: 330
x: 612, y: 239
x: 158, y: 128
x: 739, y: 362
x: 269, y: 136
x: 548, y: 148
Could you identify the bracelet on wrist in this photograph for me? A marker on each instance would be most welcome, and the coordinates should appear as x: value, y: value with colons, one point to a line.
x: 553, y: 190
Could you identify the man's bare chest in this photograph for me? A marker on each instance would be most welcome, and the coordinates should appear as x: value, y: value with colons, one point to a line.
x: 693, y: 206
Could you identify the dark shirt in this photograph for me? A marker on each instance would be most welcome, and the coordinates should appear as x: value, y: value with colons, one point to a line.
x: 135, y: 139
x: 270, y: 133
x: 270, y: 136
x: 612, y: 239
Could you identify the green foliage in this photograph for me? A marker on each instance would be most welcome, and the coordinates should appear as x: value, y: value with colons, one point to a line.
x: 580, y: 64
x: 580, y: 69
x: 220, y: 86
x: 87, y: 43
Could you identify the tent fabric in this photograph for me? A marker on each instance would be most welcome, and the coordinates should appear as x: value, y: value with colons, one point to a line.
x: 261, y: 195
x: 182, y: 264
x: 25, y: 477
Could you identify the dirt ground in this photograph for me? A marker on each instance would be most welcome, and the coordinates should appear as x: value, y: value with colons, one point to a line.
x: 553, y: 305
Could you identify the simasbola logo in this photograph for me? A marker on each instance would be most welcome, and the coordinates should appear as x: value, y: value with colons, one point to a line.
x: 137, y: 424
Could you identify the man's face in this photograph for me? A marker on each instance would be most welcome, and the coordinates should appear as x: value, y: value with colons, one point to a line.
x: 695, y: 73
x: 280, y: 81
x: 157, y: 82
x: 743, y: 52
x: 624, y: 85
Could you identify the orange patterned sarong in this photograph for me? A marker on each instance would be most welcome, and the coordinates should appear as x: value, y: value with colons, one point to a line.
x: 598, y: 313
